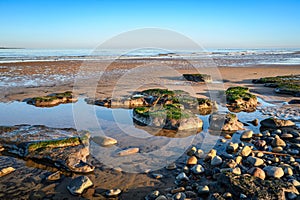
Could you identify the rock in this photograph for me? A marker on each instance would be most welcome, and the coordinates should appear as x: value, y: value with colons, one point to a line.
x: 182, y: 177
x: 275, y: 123
x: 246, y: 135
x: 217, y: 160
x: 212, y: 153
x: 171, y: 166
x: 63, y: 148
x: 104, y: 140
x: 227, y: 136
x: 260, y: 143
x: 294, y: 101
x: 192, y: 160
x: 161, y: 197
x: 225, y: 122
x: 243, y: 196
x: 292, y: 195
x: 240, y: 99
x: 113, y: 192
x: 277, y: 149
x: 278, y: 142
x: 275, y: 172
x: 54, y: 176
x: 227, y: 195
x: 198, y: 169
x: 157, y: 176
x: 255, y: 188
x: 255, y: 161
x: 202, y: 190
x: 231, y: 163
x: 258, y: 172
x: 238, y: 159
x: 255, y: 122
x: 199, y: 154
x: 153, y: 195
x: 295, y: 183
x: 176, y: 190
x: 246, y: 151
x: 52, y: 99
x: 237, y: 171
x: 179, y: 196
x: 79, y: 184
x: 6, y: 170
x: 232, y: 147
x: 128, y: 151
x: 198, y: 77
x: 191, y: 151
x: 287, y: 136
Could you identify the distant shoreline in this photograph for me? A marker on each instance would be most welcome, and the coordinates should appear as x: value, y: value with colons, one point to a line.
x: 11, y: 48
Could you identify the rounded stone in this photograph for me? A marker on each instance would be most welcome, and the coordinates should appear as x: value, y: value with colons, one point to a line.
x: 255, y: 161
x: 278, y: 142
x: 198, y: 169
x: 276, y: 172
x: 232, y: 147
x: 217, y: 160
x: 113, y: 192
x: 277, y: 149
x: 246, y: 135
x: 246, y: 151
x: 199, y: 153
x: 258, y: 172
x: 203, y: 190
x: 179, y: 196
x: 192, y: 160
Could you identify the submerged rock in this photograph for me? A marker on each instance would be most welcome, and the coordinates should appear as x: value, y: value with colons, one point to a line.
x: 63, y: 148
x: 225, y: 122
x: 275, y: 123
x: 79, y: 184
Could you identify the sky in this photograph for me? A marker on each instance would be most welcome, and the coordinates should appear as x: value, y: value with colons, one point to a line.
x: 211, y: 24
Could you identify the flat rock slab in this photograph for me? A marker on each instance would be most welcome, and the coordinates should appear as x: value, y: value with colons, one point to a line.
x: 63, y: 148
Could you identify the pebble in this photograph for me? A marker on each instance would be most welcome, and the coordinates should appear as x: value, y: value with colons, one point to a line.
x: 179, y: 196
x: 176, y: 190
x: 157, y: 176
x: 54, y: 176
x: 113, y: 192
x: 192, y: 160
x: 255, y: 161
x: 287, y: 136
x: 278, y: 142
x: 243, y: 196
x: 259, y: 154
x: 232, y: 147
x: 255, y: 122
x: 238, y: 159
x: 275, y: 172
x: 104, y: 140
x: 292, y: 195
x: 288, y: 171
x: 246, y: 135
x: 246, y: 151
x: 203, y: 190
x: 237, y: 171
x: 231, y: 163
x: 227, y: 195
x: 161, y: 197
x: 129, y: 151
x: 186, y: 169
x: 198, y: 169
x: 171, y: 166
x: 295, y: 183
x: 222, y: 140
x: 6, y: 171
x: 227, y: 136
x: 217, y: 160
x: 79, y: 184
x: 260, y: 143
x: 277, y: 131
x: 153, y: 195
x: 212, y: 153
x: 182, y: 177
x: 277, y: 149
x: 199, y: 154
x: 191, y: 151
x: 258, y: 172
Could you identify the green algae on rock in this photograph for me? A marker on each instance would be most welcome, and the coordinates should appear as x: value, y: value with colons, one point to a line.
x: 240, y: 99
x: 52, y: 99
x: 198, y: 77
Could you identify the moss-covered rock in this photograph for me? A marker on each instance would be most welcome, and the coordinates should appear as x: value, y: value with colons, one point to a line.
x: 52, y: 99
x: 283, y: 84
x: 198, y: 77
x: 63, y: 148
x: 240, y: 99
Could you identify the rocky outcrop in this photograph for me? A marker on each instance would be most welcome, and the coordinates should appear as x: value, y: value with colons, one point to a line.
x: 275, y: 123
x: 225, y: 122
x: 254, y: 187
x: 283, y: 84
x: 198, y: 77
x: 240, y: 99
x: 63, y: 148
x: 52, y: 99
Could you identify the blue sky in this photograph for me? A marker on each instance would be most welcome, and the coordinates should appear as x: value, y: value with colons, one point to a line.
x: 212, y: 24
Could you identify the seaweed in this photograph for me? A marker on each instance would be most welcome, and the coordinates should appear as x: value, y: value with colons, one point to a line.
x: 71, y: 141
x: 235, y: 93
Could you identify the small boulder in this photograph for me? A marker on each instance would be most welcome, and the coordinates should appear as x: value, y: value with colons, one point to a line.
x: 217, y: 160
x: 258, y: 172
x: 276, y: 172
x: 246, y: 135
x: 246, y: 151
x: 79, y: 184
x: 255, y: 161
x: 278, y: 142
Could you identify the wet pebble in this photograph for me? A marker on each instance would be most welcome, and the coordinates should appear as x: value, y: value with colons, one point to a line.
x: 246, y: 135
x: 217, y: 160
x: 198, y: 169
x: 255, y: 161
x: 192, y: 160
x: 203, y: 190
x: 113, y: 192
x: 272, y: 171
x: 179, y: 196
x: 79, y: 184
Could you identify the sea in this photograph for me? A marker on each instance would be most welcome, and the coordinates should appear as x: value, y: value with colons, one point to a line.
x: 223, y: 57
